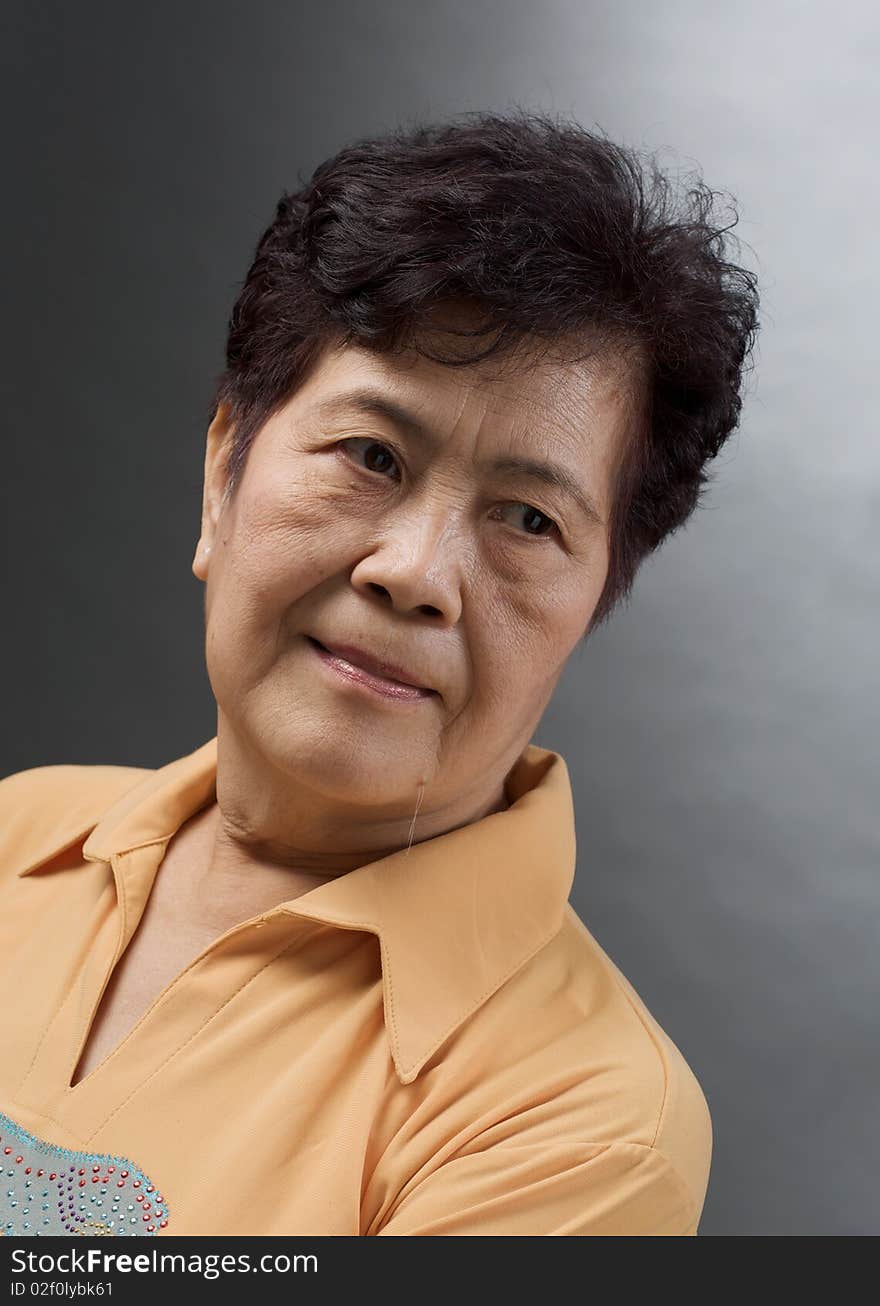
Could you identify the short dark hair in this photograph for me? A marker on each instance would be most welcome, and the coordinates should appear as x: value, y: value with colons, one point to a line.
x: 552, y: 232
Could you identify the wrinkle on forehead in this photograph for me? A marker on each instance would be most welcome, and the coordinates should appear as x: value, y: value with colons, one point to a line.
x: 591, y: 373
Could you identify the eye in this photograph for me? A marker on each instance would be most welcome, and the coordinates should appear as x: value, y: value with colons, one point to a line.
x: 534, y: 522
x: 376, y: 455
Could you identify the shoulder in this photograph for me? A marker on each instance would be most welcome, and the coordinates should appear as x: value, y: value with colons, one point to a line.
x: 665, y: 1093
x: 559, y: 1107
x: 591, y: 1055
x: 45, y: 809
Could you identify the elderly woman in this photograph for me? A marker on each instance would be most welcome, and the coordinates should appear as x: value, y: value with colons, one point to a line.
x: 320, y: 975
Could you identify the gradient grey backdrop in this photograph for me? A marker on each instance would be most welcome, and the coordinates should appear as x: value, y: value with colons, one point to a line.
x: 721, y: 733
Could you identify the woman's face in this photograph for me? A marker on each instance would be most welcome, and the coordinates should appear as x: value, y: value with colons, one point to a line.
x: 424, y: 539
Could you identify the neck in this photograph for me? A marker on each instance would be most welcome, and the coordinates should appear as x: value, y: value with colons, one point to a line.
x: 268, y: 837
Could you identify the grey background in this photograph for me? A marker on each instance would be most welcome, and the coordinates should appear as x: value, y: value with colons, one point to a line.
x: 721, y: 732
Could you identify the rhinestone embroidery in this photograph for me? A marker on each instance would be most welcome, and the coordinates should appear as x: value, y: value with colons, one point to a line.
x: 51, y: 1190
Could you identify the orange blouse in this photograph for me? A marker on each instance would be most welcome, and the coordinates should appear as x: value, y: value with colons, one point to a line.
x: 433, y: 1043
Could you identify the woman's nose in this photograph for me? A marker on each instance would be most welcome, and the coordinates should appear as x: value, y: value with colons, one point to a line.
x: 417, y: 559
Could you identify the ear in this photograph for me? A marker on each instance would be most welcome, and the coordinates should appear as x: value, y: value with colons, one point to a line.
x: 216, y: 452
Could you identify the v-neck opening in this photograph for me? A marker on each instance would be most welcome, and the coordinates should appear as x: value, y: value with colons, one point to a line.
x: 48, y: 1082
x: 69, y: 1088
x: 174, y: 1017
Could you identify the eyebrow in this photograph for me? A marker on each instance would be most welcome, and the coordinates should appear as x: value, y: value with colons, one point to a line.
x: 376, y: 404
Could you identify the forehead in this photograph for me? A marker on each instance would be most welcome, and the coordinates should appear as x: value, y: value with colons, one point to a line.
x: 525, y: 396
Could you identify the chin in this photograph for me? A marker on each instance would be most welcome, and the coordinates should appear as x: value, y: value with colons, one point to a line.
x: 350, y: 763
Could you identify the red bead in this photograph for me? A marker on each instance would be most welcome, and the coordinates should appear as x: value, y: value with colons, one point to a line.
x: 53, y: 1175
x: 18, y: 1160
x: 111, y: 1169
x: 139, y: 1197
x: 81, y: 1172
x: 7, y: 1150
x: 82, y: 1183
x: 120, y: 1183
x: 146, y: 1219
x: 162, y: 1224
x: 96, y: 1168
x: 124, y: 1173
x: 95, y: 1179
x: 27, y: 1169
x: 39, y: 1174
x: 136, y: 1183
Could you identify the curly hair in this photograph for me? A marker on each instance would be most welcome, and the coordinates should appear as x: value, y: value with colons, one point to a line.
x: 553, y: 233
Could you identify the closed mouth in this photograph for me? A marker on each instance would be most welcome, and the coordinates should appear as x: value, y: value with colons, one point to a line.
x: 382, y: 674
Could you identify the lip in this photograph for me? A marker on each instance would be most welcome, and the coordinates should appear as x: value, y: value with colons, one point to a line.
x: 384, y: 677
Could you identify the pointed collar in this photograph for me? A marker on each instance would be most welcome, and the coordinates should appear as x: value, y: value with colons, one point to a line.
x: 455, y: 915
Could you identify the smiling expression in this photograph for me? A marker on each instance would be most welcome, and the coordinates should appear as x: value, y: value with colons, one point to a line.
x: 451, y: 522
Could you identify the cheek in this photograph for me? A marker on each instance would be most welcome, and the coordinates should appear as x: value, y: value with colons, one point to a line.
x: 286, y: 541
x: 527, y: 634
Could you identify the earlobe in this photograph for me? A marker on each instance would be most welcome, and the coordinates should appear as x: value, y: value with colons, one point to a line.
x: 215, y: 487
x: 200, y: 560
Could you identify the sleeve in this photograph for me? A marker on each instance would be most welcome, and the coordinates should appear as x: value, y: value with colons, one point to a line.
x: 511, y: 1189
